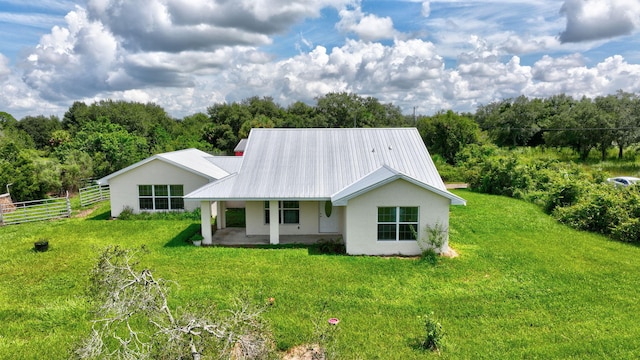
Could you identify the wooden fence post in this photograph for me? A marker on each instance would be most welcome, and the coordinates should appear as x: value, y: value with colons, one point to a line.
x: 1, y: 215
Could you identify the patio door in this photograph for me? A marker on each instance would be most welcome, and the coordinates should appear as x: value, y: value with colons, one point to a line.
x: 329, y: 217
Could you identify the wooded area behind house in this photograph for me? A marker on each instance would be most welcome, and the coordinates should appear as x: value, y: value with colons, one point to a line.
x: 42, y: 155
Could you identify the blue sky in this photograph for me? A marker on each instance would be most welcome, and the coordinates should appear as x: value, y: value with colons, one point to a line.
x: 186, y: 55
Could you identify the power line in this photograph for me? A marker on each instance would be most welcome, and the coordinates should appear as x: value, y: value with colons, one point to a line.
x: 564, y: 129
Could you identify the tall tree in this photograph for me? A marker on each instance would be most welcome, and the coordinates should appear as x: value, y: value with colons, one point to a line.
x: 351, y: 110
x: 447, y: 133
x: 511, y: 122
x: 110, y: 146
x: 578, y: 128
x: 40, y: 128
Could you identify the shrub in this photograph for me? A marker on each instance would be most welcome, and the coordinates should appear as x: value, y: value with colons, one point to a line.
x: 563, y: 192
x: 126, y: 213
x: 602, y: 211
x: 434, y: 238
x: 433, y: 334
x: 331, y: 247
x: 502, y: 175
x: 628, y: 231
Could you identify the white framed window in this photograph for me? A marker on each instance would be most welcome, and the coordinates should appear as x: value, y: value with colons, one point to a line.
x: 161, y: 197
x: 288, y: 212
x: 398, y: 223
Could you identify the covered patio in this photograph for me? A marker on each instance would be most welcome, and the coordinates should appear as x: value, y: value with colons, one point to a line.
x: 236, y: 236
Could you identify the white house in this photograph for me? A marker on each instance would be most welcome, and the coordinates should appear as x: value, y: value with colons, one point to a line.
x: 378, y: 188
x: 159, y: 183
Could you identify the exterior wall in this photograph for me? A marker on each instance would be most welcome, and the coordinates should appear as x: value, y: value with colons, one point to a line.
x: 124, y: 188
x: 309, y: 219
x: 361, y: 236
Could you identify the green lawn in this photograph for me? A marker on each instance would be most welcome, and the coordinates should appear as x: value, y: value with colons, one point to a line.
x: 523, y: 287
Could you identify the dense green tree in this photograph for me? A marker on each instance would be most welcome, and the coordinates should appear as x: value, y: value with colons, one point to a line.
x: 40, y: 128
x: 511, y: 122
x: 221, y: 137
x: 264, y: 106
x: 31, y: 177
x: 76, y: 170
x: 301, y: 115
x: 140, y: 119
x: 622, y: 111
x: 76, y: 117
x: 579, y: 129
x: 232, y: 115
x: 7, y: 121
x: 260, y: 121
x: 351, y: 110
x: 447, y: 133
x: 110, y: 146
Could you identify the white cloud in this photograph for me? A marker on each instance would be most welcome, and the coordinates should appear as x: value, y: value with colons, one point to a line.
x: 599, y: 19
x: 73, y: 61
x: 187, y: 55
x: 426, y: 8
x: 368, y: 27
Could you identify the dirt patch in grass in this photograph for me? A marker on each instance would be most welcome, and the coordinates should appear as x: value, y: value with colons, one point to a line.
x: 452, y: 253
x: 84, y: 213
x: 305, y: 352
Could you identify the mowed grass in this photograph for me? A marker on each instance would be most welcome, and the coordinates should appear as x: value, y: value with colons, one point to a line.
x: 523, y: 286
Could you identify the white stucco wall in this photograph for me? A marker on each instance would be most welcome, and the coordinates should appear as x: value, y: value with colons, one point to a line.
x: 124, y: 188
x: 309, y: 219
x: 362, y: 216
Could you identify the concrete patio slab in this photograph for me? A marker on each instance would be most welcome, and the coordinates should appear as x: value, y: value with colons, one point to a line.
x: 237, y: 237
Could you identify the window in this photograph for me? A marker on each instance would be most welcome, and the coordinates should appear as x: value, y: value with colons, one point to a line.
x: 288, y: 211
x: 161, y: 197
x: 397, y: 223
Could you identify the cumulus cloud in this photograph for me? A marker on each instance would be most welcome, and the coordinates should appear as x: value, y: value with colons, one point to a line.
x: 197, y: 25
x: 186, y: 55
x: 71, y: 60
x: 599, y: 19
x: 368, y: 27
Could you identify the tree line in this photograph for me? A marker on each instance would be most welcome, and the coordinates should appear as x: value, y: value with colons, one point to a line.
x: 561, y: 121
x: 42, y: 155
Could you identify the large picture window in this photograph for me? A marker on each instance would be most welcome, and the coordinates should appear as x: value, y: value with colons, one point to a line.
x: 288, y: 211
x: 161, y: 197
x: 397, y: 223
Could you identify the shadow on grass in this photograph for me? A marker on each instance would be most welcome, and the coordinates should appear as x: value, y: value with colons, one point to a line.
x: 182, y: 239
x: 105, y: 215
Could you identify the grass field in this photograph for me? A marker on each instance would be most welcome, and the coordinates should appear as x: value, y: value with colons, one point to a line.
x: 523, y: 287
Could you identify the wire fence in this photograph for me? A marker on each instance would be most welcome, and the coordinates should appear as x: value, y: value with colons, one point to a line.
x: 35, y: 210
x: 93, y: 194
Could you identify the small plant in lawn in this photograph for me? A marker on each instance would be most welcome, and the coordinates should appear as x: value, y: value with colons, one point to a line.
x: 433, y: 334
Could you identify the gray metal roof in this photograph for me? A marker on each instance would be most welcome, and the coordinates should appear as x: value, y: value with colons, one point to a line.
x: 242, y: 144
x: 193, y: 160
x: 315, y: 164
x: 230, y: 164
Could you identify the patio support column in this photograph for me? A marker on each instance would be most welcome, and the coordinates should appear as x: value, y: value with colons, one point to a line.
x: 205, y: 221
x: 221, y: 220
x: 274, y: 222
